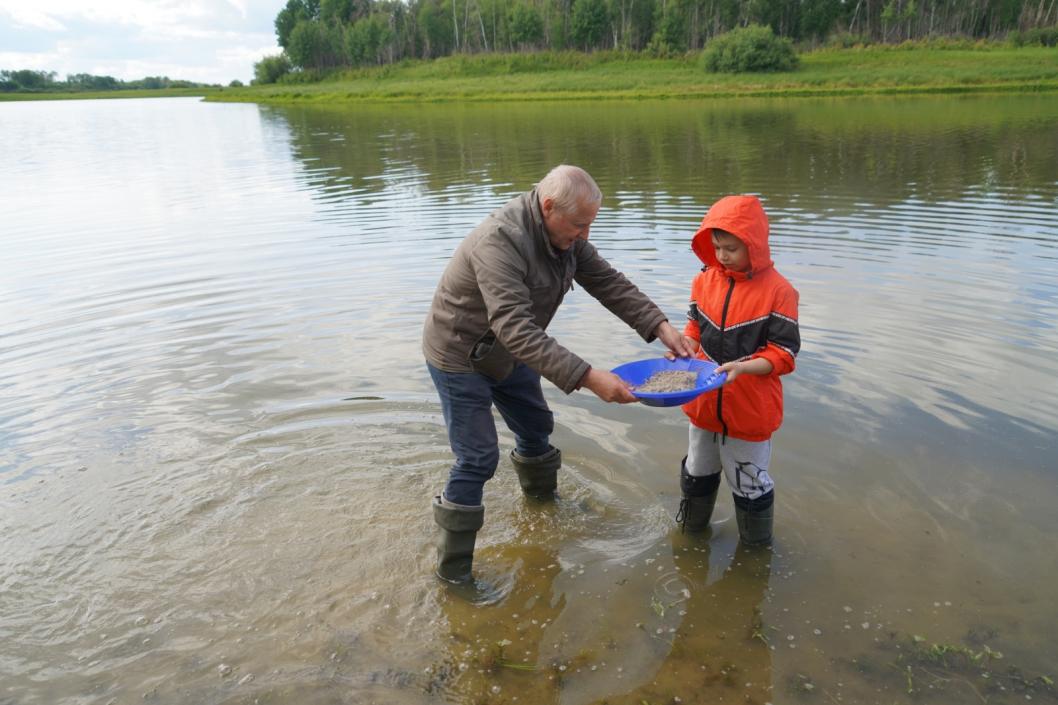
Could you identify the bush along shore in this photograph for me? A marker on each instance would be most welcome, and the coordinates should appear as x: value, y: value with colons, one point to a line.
x: 26, y: 84
x: 912, y: 67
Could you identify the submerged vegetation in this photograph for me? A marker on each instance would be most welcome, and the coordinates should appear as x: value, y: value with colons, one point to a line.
x: 966, y: 669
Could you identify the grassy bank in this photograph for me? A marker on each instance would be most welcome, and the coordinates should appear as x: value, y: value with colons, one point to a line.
x: 612, y: 75
x: 99, y: 95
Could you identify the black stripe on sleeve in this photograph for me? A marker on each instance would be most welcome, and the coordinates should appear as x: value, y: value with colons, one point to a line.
x: 784, y: 332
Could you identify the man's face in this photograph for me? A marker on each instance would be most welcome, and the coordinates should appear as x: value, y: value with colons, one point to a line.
x: 731, y: 251
x: 563, y: 229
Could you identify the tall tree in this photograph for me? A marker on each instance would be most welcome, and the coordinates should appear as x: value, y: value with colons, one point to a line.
x: 589, y: 23
x: 293, y: 12
x: 526, y: 27
x: 436, y: 29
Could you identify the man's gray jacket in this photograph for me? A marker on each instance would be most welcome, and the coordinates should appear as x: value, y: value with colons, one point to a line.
x: 501, y: 289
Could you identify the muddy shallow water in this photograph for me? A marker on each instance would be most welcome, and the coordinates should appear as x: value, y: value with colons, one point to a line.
x: 218, y: 441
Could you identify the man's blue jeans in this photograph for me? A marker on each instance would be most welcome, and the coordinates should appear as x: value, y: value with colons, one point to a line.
x: 466, y: 401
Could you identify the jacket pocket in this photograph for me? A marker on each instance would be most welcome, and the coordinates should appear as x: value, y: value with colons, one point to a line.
x: 491, y: 359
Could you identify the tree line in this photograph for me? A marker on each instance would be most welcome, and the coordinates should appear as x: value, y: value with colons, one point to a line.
x: 326, y: 34
x: 29, y: 81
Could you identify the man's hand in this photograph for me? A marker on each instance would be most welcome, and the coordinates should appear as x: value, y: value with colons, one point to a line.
x: 607, y: 386
x: 678, y: 344
x: 691, y: 343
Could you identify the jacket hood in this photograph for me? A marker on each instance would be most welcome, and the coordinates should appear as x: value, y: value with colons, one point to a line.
x: 743, y: 217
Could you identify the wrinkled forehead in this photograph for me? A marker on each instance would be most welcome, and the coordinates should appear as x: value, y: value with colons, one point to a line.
x: 585, y: 210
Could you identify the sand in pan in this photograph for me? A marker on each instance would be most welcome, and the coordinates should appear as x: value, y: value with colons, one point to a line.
x: 669, y: 381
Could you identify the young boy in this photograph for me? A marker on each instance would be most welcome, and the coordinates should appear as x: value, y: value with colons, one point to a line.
x: 743, y: 316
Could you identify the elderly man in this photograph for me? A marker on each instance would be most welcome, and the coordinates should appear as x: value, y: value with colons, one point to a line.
x: 485, y: 343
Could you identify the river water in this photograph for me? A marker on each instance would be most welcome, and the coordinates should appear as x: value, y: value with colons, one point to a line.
x: 219, y: 442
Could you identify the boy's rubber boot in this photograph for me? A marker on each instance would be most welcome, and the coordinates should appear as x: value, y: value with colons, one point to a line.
x: 459, y: 525
x: 754, y: 517
x: 699, y: 498
x: 538, y: 475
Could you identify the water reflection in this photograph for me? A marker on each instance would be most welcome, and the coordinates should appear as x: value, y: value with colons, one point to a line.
x: 844, y: 154
x: 720, y: 652
x: 928, y: 200
x: 495, y: 649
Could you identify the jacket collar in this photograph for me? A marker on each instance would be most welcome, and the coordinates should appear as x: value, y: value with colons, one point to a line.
x: 536, y: 214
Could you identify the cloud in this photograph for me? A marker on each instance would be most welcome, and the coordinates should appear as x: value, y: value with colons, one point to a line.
x: 31, y: 18
x: 210, y: 41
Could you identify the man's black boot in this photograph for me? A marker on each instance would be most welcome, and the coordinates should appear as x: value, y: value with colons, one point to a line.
x: 459, y: 525
x: 538, y: 475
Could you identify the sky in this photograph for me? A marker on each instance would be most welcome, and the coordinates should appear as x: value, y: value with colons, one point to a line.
x: 207, y: 41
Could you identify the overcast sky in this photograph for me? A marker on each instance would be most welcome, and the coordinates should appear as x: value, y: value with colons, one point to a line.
x: 210, y: 41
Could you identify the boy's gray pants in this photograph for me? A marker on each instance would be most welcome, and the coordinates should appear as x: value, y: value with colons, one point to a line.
x: 744, y: 463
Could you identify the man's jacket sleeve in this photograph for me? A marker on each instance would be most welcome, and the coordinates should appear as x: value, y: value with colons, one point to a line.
x: 501, y: 275
x: 616, y: 293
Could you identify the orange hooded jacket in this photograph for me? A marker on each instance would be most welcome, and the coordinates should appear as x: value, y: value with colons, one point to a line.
x: 739, y: 316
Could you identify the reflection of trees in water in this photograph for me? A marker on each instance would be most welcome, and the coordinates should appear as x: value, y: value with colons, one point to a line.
x: 868, y: 150
x: 493, y: 650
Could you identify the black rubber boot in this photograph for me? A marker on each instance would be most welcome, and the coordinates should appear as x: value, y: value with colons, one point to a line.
x: 699, y: 498
x: 538, y: 475
x: 754, y: 517
x: 455, y: 543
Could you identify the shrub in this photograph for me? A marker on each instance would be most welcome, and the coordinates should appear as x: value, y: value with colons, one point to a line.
x: 303, y: 76
x: 525, y: 25
x: 847, y: 40
x: 271, y: 68
x: 589, y: 23
x: 1040, y: 36
x: 749, y: 49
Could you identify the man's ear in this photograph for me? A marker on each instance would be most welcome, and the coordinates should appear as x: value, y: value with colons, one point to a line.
x: 547, y: 204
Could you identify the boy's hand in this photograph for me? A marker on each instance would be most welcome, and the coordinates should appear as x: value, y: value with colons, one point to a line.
x: 674, y: 340
x: 733, y: 370
x: 753, y: 366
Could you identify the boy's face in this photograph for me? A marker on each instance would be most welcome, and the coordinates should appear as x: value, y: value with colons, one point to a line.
x: 732, y: 252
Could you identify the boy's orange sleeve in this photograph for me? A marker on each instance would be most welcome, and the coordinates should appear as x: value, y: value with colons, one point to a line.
x: 784, y: 336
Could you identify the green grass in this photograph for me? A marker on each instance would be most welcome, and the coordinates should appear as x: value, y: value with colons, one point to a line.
x: 871, y: 70
x: 99, y: 95
x: 915, y: 68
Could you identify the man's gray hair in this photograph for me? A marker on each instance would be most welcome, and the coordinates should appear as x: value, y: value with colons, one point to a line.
x: 569, y: 187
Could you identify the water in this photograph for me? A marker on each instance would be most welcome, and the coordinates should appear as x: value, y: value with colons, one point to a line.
x: 218, y: 441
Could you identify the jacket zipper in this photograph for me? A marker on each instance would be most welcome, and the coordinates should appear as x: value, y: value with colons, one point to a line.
x: 723, y: 328
x: 561, y: 279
